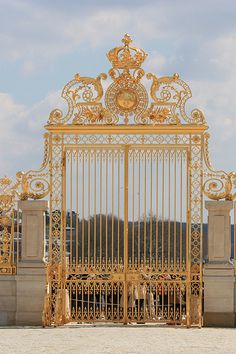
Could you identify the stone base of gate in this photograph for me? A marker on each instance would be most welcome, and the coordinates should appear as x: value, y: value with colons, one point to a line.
x: 31, y: 273
x: 219, y: 295
x: 218, y: 272
x: 7, y: 300
x: 219, y: 319
x: 30, y: 292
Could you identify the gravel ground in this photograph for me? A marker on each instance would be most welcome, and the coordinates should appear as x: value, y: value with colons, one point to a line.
x: 116, y: 339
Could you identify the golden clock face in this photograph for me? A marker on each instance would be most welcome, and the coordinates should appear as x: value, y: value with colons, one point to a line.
x: 126, y: 99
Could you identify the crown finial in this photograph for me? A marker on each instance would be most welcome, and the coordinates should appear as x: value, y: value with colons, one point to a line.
x: 127, y: 40
x: 126, y: 56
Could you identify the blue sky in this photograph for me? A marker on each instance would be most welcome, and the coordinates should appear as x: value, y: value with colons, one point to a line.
x: 44, y: 43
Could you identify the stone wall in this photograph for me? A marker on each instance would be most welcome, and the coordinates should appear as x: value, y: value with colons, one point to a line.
x: 7, y: 300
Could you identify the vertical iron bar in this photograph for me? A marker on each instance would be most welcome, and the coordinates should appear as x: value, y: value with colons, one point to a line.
x: 201, y: 245
x: 133, y: 179
x: 88, y: 201
x: 157, y: 206
x: 139, y: 170
x: 118, y: 212
x: 175, y: 167
x: 83, y: 187
x: 126, y: 180
x: 150, y: 221
x: 181, y: 212
x: 107, y: 152
x: 100, y: 236
x: 168, y: 242
x: 63, y: 266
x: 77, y: 210
x: 163, y: 210
x: 95, y: 211
x: 188, y: 237
x: 112, y: 221
x: 17, y: 235
x: 71, y: 179
x: 145, y: 209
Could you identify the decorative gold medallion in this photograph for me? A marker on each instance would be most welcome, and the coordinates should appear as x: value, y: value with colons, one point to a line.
x: 126, y: 99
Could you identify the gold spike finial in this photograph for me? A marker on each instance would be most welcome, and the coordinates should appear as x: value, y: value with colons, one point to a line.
x: 127, y: 40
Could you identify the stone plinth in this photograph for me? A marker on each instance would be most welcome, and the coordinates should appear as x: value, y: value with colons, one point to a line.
x: 218, y: 272
x: 31, y: 274
x: 33, y: 229
x: 7, y: 300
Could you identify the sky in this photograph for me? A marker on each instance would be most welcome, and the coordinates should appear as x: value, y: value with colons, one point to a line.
x: 43, y: 44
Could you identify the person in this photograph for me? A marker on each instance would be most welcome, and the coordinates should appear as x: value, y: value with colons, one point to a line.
x: 131, y: 302
x: 150, y: 304
x: 140, y: 301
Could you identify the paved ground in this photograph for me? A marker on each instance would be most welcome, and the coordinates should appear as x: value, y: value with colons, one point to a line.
x: 116, y: 339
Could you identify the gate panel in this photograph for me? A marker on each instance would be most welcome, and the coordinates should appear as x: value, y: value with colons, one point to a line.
x: 94, y: 232
x: 157, y: 234
x: 126, y: 233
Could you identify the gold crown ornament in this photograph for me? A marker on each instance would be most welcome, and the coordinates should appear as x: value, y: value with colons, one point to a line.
x: 126, y: 56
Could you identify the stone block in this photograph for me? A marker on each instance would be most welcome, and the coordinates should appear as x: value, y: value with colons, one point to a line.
x: 219, y: 319
x: 7, y: 285
x: 30, y: 303
x: 29, y: 318
x: 7, y: 318
x: 32, y: 287
x: 7, y: 303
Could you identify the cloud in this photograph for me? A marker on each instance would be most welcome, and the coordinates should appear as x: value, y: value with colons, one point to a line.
x: 37, y: 36
x: 21, y: 134
x: 156, y: 62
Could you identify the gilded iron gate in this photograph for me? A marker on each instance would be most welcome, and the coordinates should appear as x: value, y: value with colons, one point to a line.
x: 126, y: 232
x: 126, y: 200
x: 127, y: 169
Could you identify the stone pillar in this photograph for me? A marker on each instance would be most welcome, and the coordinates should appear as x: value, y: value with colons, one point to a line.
x: 31, y: 275
x: 218, y: 272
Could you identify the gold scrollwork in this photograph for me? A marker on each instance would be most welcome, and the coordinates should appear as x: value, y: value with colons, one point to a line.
x: 217, y: 184
x: 220, y: 188
x: 172, y: 92
x: 79, y: 92
x: 34, y: 184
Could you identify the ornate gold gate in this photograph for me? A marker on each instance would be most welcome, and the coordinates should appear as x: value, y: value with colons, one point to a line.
x: 126, y: 199
x: 126, y: 172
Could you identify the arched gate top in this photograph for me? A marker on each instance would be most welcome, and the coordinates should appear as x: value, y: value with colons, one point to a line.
x: 126, y: 101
